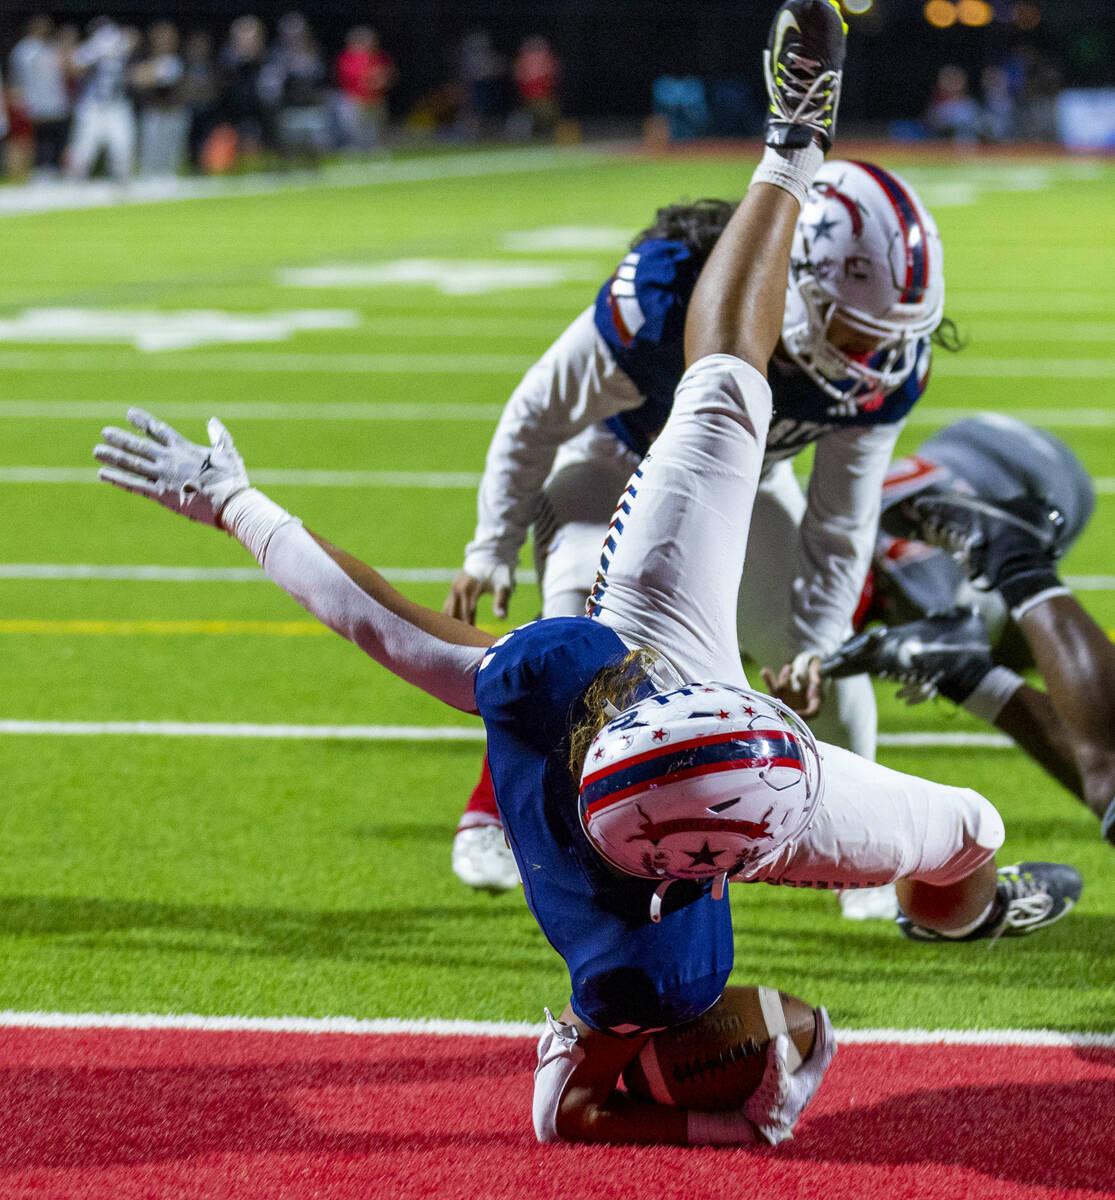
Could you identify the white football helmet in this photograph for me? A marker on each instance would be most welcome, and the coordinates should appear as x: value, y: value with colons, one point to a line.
x: 705, y: 781
x: 867, y: 256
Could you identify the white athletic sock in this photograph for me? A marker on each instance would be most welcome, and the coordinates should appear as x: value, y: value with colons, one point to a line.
x: 791, y: 170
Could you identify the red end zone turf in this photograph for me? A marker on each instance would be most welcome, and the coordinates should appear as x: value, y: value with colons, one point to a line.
x: 117, y: 1113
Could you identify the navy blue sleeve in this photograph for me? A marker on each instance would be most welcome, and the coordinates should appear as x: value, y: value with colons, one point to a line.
x: 645, y: 301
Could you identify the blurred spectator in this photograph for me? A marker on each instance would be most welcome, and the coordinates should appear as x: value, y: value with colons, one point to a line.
x: 199, y: 92
x: 997, y: 119
x: 482, y: 75
x: 293, y: 80
x: 1037, y: 105
x: 38, y: 81
x: 163, y: 119
x: 365, y: 74
x: 681, y: 102
x: 5, y: 124
x: 104, y: 119
x: 535, y: 70
x: 19, y: 145
x: 953, y: 112
x: 246, y: 123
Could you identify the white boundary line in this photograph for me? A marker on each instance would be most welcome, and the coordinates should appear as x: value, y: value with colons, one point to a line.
x: 70, y: 196
x: 389, y: 733
x: 11, y: 1019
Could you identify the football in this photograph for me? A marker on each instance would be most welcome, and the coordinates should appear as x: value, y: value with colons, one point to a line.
x: 717, y: 1061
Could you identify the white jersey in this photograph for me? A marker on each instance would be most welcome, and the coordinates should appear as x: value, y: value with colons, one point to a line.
x: 36, y: 67
x: 577, y: 384
x: 105, y: 57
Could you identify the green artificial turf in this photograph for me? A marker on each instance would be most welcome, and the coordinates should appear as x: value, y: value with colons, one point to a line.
x: 312, y: 877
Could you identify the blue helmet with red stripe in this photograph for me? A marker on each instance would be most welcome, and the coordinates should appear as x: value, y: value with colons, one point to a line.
x: 866, y: 281
x: 708, y: 780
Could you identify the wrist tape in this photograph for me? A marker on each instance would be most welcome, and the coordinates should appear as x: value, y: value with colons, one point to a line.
x: 252, y: 518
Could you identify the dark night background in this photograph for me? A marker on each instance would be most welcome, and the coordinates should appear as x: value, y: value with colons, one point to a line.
x: 612, y: 50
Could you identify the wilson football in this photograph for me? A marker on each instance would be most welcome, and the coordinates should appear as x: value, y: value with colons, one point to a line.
x: 717, y: 1061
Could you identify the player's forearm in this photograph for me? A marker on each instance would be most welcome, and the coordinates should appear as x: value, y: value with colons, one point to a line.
x: 838, y: 532
x: 428, y: 649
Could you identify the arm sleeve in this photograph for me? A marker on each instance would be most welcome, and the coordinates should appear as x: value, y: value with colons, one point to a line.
x: 575, y: 384
x: 838, y: 533
x: 295, y: 561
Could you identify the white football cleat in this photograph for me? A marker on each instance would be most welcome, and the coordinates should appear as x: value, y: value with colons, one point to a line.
x: 483, y: 860
x: 869, y: 904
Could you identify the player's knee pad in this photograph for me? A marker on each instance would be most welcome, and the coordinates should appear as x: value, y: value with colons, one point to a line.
x: 559, y: 1055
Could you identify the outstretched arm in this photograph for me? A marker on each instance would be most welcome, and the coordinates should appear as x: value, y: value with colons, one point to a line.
x: 209, y: 484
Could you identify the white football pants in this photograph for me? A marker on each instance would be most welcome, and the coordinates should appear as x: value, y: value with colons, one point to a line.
x: 669, y: 581
x: 592, y: 469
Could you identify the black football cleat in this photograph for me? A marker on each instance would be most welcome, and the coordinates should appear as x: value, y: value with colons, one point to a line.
x: 803, y: 65
x: 992, y: 540
x: 1030, y: 896
x: 947, y: 653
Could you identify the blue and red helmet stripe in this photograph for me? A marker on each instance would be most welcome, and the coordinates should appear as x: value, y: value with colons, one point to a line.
x: 913, y: 232
x: 688, y: 760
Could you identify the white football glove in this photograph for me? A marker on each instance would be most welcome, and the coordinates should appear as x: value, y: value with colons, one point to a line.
x: 781, y: 1097
x: 196, y: 481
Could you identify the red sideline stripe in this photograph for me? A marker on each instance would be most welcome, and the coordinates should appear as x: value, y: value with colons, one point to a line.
x: 677, y: 747
x: 124, y: 1114
x: 690, y: 773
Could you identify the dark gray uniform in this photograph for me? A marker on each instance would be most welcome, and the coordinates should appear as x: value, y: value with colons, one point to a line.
x: 988, y: 455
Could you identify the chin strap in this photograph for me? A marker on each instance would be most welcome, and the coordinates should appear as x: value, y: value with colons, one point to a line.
x: 719, y: 891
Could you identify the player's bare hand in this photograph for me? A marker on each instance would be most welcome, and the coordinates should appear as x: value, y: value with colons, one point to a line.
x: 798, y: 684
x: 159, y: 463
x: 783, y: 1094
x: 467, y: 589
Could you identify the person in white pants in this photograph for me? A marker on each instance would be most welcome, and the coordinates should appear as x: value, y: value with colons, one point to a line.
x: 104, y: 119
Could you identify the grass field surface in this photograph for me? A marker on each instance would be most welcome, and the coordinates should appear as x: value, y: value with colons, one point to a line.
x: 269, y: 876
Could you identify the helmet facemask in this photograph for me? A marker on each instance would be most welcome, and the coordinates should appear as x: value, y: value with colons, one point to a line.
x: 848, y: 282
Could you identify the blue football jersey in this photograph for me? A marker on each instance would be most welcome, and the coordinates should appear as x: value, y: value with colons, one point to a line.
x: 640, y: 314
x: 627, y: 973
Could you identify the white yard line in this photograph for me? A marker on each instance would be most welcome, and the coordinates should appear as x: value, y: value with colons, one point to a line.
x: 156, y: 574
x: 313, y: 477
x: 363, y: 733
x: 294, y: 478
x: 421, y: 363
x: 153, y: 574
x: 194, y: 1022
x: 926, y: 414
x: 233, y: 410
x: 254, y: 362
x: 388, y: 733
